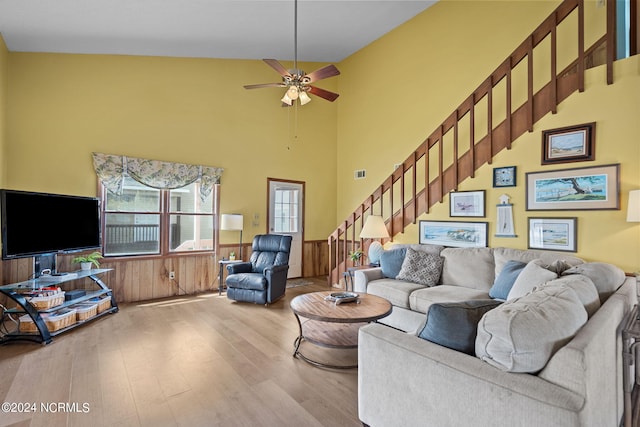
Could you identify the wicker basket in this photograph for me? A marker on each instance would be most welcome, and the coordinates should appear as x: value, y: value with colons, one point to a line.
x: 60, y: 319
x: 85, y: 311
x: 46, y: 302
x: 104, y: 302
x: 54, y: 321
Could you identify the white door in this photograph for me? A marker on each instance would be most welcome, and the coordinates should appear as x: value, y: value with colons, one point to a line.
x: 286, y: 210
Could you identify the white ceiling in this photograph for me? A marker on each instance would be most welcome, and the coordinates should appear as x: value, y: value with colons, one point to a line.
x: 328, y: 31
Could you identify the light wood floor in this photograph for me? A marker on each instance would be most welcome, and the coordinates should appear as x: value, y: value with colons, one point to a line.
x: 189, y: 361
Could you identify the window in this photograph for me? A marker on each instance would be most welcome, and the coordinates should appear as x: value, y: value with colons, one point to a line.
x: 285, y: 210
x: 147, y: 221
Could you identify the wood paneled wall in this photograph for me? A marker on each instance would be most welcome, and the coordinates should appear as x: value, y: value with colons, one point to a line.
x: 140, y: 279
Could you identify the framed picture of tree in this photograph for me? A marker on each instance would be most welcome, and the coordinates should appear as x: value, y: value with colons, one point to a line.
x: 595, y: 187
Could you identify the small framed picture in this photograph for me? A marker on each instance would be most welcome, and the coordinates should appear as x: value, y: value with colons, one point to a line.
x: 553, y: 234
x: 504, y: 177
x: 569, y: 144
x: 467, y: 203
x: 454, y: 234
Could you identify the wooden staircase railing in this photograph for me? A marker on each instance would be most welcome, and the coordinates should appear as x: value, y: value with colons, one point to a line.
x: 442, y: 161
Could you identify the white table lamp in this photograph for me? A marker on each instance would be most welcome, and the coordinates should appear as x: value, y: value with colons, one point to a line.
x: 233, y: 222
x: 374, y: 228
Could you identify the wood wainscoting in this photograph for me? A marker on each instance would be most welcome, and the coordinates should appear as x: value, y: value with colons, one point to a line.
x: 145, y: 278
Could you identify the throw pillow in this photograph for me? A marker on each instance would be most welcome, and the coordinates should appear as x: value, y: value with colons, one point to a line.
x: 421, y: 267
x: 559, y: 266
x: 606, y: 277
x: 522, y: 335
x: 391, y: 262
x: 455, y: 324
x: 584, y: 289
x: 532, y: 276
x: 505, y: 280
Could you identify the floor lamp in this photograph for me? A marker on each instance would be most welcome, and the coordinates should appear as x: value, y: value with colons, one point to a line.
x: 233, y: 222
x: 374, y: 228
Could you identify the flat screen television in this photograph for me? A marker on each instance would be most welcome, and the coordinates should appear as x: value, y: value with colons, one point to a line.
x: 36, y: 224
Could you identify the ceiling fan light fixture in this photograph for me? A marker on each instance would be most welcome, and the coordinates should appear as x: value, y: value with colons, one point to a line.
x: 286, y: 99
x: 292, y: 92
x: 304, y: 98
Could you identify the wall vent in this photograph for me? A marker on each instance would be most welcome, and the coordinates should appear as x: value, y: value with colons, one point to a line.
x: 359, y: 174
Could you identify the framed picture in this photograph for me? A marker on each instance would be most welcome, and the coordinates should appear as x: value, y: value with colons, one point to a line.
x: 466, y: 203
x: 452, y: 233
x: 504, y: 177
x: 588, y: 188
x: 569, y: 144
x: 554, y: 234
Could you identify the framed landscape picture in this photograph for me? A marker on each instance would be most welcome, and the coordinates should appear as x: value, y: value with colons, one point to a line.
x: 587, y: 188
x: 467, y: 203
x: 569, y: 144
x: 554, y: 234
x: 453, y: 233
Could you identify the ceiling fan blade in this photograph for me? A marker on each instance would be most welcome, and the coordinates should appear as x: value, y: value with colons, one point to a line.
x: 323, y: 73
x: 258, y: 86
x: 322, y: 93
x: 273, y: 63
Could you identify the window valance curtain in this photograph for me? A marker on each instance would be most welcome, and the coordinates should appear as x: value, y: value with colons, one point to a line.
x: 111, y: 170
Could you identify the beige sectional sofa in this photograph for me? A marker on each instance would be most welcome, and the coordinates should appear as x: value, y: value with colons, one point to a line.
x: 550, y: 357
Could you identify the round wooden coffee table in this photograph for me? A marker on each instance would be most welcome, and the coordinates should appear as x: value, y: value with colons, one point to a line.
x: 332, y: 325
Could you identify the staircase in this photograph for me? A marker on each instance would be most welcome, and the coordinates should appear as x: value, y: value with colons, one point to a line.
x: 445, y: 158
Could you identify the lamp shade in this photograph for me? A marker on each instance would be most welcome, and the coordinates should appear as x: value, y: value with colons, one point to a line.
x: 231, y: 222
x: 633, y: 211
x: 374, y: 228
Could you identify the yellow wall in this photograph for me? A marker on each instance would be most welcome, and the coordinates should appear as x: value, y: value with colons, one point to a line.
x: 63, y: 107
x: 3, y: 108
x: 396, y: 91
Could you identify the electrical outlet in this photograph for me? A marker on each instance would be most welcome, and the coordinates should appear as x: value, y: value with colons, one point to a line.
x: 172, y: 275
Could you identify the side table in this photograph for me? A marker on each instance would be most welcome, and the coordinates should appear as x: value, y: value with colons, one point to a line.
x: 348, y: 275
x: 223, y: 266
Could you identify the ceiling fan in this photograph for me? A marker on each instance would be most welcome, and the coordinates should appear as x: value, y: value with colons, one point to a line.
x: 297, y: 82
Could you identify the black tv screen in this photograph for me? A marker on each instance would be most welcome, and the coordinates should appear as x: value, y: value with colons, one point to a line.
x: 40, y: 223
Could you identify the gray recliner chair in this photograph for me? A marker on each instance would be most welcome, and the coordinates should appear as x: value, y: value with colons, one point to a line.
x: 263, y: 279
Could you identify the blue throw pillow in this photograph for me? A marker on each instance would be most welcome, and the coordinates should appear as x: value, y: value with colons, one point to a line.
x: 505, y: 280
x: 455, y: 324
x: 391, y: 262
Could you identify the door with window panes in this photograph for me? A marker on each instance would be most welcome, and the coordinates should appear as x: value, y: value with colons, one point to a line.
x: 286, y: 208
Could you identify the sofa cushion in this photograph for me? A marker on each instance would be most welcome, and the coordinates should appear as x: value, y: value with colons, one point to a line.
x: 391, y: 262
x: 395, y: 291
x: 533, y: 275
x: 454, y: 324
x: 504, y: 255
x: 606, y: 277
x: 521, y: 335
x: 421, y: 267
x: 584, y: 289
x: 468, y: 267
x: 420, y: 300
x: 505, y: 280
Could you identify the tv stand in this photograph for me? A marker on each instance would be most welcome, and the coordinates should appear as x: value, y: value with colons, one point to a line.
x: 15, y: 292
